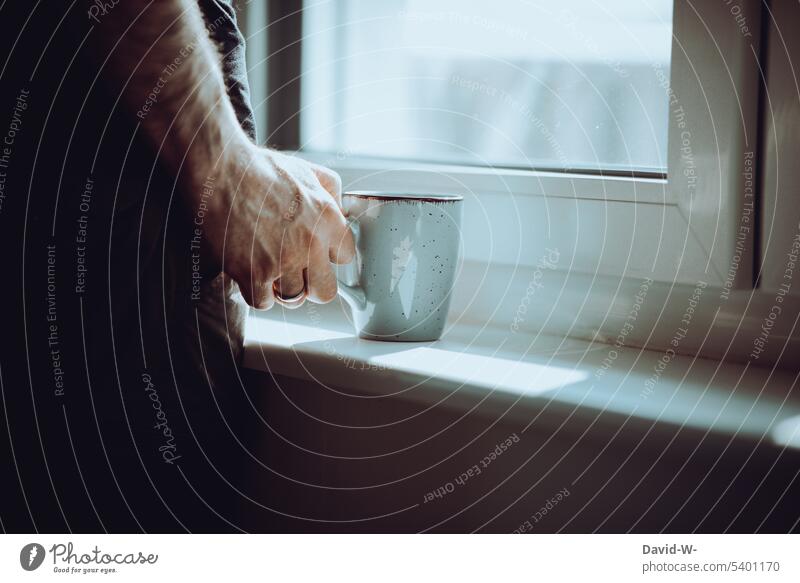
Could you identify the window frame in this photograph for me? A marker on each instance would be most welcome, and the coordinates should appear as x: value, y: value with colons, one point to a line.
x: 711, y: 216
x: 600, y: 314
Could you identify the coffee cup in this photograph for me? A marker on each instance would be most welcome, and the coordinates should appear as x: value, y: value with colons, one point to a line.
x: 407, y: 249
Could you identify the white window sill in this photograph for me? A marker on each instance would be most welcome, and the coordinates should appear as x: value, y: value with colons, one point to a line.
x: 609, y: 234
x: 533, y: 372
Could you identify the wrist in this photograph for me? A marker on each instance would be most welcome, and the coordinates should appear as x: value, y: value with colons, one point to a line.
x: 216, y: 152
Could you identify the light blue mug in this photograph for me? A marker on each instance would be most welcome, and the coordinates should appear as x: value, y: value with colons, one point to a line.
x: 407, y: 250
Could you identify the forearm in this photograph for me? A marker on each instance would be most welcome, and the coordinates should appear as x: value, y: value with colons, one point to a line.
x: 272, y: 219
x: 169, y: 74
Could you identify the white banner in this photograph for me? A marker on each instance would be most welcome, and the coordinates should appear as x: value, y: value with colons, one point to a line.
x: 401, y: 558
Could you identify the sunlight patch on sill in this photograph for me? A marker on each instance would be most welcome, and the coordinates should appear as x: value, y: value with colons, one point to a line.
x: 787, y: 433
x: 449, y: 361
x: 492, y: 372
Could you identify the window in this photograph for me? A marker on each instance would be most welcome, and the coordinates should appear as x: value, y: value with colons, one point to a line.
x: 578, y: 84
x: 657, y: 100
x: 624, y: 132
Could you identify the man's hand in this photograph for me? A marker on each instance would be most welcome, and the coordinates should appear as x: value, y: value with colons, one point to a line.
x: 272, y: 219
x: 277, y: 221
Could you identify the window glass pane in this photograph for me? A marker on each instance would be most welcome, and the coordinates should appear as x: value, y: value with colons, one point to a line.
x: 521, y: 83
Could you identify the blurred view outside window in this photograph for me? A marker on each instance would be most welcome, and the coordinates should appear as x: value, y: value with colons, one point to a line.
x: 577, y: 84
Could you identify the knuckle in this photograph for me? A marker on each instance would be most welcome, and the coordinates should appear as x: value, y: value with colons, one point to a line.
x: 330, y: 211
x: 335, y: 182
x: 245, y: 279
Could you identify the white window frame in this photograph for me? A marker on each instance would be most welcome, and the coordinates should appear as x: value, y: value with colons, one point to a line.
x: 698, y: 224
x: 701, y: 201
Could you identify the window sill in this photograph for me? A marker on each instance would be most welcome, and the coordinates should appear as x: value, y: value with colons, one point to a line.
x: 610, y: 234
x: 527, y: 376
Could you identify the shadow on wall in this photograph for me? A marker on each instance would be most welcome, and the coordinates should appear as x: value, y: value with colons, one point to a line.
x: 330, y: 461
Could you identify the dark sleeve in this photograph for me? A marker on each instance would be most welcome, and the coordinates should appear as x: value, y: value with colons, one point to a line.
x: 220, y: 20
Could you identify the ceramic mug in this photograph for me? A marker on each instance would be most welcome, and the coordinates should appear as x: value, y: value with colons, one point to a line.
x: 407, y: 249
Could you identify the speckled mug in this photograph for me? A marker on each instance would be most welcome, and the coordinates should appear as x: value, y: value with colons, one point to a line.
x: 407, y: 248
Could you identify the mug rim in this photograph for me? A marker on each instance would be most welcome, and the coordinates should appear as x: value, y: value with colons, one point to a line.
x: 395, y: 195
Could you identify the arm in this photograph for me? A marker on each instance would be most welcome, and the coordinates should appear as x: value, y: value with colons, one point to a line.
x: 269, y: 217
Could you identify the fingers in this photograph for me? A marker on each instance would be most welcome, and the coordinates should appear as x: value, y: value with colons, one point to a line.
x: 299, y: 251
x: 330, y: 181
x: 295, y: 299
x: 322, y: 284
x: 342, y: 247
x: 257, y: 292
x: 291, y: 283
x: 317, y: 280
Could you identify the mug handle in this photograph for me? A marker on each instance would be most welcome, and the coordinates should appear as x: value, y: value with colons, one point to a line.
x: 353, y: 294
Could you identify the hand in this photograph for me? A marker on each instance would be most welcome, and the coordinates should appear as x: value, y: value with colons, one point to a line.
x: 276, y: 220
x: 266, y: 217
